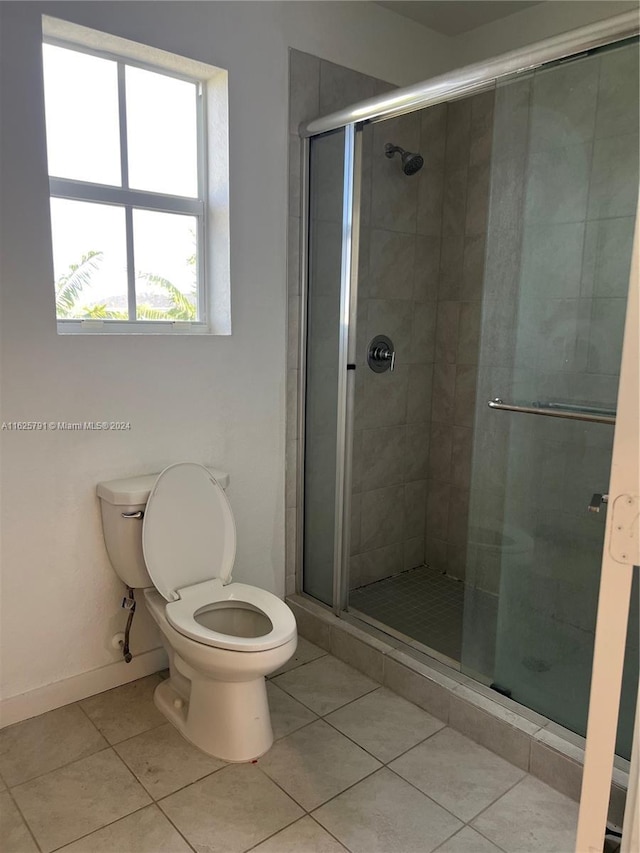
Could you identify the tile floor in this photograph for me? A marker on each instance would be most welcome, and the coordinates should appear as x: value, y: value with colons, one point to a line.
x: 422, y: 603
x: 353, y: 768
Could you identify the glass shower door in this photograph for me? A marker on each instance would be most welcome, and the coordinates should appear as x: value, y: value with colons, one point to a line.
x: 564, y: 186
x: 322, y: 362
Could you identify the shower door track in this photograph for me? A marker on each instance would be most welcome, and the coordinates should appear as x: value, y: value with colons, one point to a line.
x: 473, y: 78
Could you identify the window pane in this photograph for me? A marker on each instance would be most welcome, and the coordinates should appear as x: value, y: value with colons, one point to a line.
x: 89, y: 260
x: 81, y: 108
x: 165, y: 251
x: 162, y: 133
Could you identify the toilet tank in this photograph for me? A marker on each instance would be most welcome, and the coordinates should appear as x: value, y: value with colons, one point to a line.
x: 122, y: 534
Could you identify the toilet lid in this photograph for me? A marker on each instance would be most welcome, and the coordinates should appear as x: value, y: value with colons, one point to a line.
x: 188, y: 532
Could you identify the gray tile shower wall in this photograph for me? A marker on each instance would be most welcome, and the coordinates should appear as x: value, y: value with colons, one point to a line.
x: 557, y: 267
x: 463, y: 156
x: 396, y: 297
x: 426, y: 300
x: 315, y: 87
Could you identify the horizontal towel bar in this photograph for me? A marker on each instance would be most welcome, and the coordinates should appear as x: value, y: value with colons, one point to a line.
x: 569, y: 411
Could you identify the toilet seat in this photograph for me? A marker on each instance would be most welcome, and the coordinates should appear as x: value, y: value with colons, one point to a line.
x: 181, y: 615
x: 188, y: 532
x: 189, y: 545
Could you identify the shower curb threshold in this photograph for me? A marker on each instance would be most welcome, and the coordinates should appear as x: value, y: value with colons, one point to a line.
x: 523, y: 737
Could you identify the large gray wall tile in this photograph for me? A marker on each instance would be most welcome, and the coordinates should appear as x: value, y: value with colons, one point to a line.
x: 563, y: 104
x: 304, y: 88
x: 614, y: 182
x: 618, y: 95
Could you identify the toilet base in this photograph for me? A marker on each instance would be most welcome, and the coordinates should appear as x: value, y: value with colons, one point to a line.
x: 227, y: 720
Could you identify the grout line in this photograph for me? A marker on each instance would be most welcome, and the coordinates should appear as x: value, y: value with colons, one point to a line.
x: 79, y: 704
x: 102, y: 748
x: 150, y: 729
x: 344, y: 791
x: 180, y: 833
x: 282, y: 828
x: 321, y: 716
x: 157, y: 800
x: 98, y: 829
x: 377, y: 758
x: 468, y: 826
x: 61, y: 767
x: 328, y: 831
x: 297, y: 665
x: 108, y: 748
x: 444, y: 808
x: 508, y: 791
x: 24, y: 820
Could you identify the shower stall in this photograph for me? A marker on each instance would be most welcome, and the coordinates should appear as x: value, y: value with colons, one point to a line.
x: 467, y: 248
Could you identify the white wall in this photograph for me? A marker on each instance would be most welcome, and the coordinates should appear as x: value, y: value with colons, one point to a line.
x: 219, y: 401
x: 534, y: 24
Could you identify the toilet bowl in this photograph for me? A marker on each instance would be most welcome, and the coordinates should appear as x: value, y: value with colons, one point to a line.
x: 222, y: 638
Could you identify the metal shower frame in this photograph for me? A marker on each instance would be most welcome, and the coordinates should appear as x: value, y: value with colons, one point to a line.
x: 446, y: 87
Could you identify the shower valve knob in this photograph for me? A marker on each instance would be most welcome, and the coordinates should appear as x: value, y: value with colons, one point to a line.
x: 381, y: 354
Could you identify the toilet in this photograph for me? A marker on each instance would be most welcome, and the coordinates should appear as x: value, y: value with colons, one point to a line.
x: 173, y: 535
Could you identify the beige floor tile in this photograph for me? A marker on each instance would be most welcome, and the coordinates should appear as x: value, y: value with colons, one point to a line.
x: 384, y: 724
x: 305, y: 652
x: 125, y: 711
x: 44, y: 743
x: 303, y: 836
x: 230, y: 811
x: 14, y: 835
x: 468, y: 841
x: 79, y: 798
x: 287, y: 714
x: 530, y: 818
x: 457, y: 773
x: 325, y: 684
x: 384, y: 813
x: 3, y: 787
x: 163, y: 761
x: 146, y: 831
x: 316, y: 763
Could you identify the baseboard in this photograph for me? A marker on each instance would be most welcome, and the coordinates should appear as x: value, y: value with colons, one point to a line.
x: 42, y: 699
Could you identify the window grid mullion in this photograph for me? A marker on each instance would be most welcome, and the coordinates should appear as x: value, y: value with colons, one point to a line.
x: 201, y: 234
x: 122, y: 115
x: 131, y: 275
x: 128, y: 210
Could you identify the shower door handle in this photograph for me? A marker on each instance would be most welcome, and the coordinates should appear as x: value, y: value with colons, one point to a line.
x: 596, y: 502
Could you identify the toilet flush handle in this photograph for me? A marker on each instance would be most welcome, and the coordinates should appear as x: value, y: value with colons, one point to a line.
x: 138, y: 514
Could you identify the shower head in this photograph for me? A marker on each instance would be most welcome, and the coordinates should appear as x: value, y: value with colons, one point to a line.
x: 411, y: 163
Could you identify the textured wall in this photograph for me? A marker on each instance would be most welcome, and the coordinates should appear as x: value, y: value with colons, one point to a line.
x: 216, y: 400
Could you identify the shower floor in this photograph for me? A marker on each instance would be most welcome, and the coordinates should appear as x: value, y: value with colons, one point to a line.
x: 421, y: 603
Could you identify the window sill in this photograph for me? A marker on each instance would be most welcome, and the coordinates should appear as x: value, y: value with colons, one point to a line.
x: 140, y: 327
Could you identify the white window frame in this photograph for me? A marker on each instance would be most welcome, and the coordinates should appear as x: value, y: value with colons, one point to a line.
x: 211, y: 206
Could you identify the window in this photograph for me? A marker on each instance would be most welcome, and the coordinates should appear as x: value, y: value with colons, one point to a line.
x: 132, y: 203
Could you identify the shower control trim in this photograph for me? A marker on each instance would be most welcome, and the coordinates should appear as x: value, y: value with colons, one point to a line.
x: 381, y: 354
